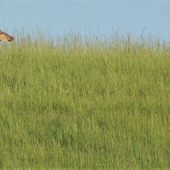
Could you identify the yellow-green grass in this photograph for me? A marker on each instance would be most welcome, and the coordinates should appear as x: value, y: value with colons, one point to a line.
x: 84, y: 103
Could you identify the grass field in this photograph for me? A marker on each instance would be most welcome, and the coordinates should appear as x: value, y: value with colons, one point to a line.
x: 84, y: 102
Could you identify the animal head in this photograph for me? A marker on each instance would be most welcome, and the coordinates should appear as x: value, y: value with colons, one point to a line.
x: 5, y: 37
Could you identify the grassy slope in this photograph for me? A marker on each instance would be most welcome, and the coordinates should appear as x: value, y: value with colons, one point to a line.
x: 84, y: 105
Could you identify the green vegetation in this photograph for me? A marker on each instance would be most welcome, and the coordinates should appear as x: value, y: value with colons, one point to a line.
x: 84, y: 102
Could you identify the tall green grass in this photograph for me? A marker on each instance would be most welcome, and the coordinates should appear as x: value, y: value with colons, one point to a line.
x: 89, y: 102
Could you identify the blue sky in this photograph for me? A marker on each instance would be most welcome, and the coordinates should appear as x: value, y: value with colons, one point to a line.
x: 98, y: 17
